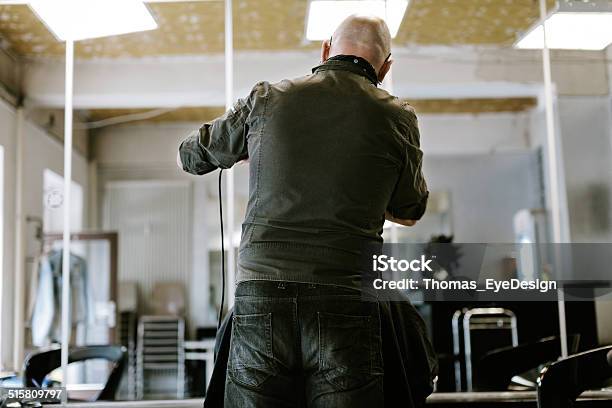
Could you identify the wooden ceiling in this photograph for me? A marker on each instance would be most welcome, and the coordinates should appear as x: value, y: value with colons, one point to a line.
x: 191, y: 114
x: 473, y: 105
x: 467, y: 22
x: 422, y: 106
x: 196, y: 27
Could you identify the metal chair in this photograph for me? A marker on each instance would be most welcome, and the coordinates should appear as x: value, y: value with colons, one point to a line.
x: 38, y: 365
x: 562, y: 382
x: 501, y: 329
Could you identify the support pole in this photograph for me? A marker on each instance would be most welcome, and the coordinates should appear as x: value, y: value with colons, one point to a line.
x: 229, y: 174
x: 19, y: 282
x: 66, y: 326
x: 553, y: 170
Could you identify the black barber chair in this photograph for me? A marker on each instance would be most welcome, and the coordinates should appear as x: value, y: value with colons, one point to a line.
x: 495, y: 370
x: 562, y: 382
x: 38, y: 365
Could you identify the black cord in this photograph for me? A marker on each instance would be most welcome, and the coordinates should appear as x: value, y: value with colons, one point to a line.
x: 222, y: 252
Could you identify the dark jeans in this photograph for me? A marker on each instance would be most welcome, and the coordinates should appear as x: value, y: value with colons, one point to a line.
x: 304, y: 345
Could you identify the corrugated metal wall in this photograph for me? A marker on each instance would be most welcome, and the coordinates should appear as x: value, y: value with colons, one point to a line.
x: 153, y: 219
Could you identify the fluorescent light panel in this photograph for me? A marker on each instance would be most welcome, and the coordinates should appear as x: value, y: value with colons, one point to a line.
x: 571, y: 30
x: 325, y: 15
x: 83, y: 19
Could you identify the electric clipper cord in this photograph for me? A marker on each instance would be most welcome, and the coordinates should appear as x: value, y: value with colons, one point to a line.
x: 222, y: 252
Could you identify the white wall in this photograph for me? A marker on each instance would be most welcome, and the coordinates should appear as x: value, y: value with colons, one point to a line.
x: 148, y: 152
x: 41, y: 152
x: 587, y: 153
x: 488, y: 164
x: 45, y: 152
x: 475, y: 133
x: 486, y: 191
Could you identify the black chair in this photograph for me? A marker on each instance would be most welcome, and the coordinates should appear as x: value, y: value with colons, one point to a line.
x: 495, y: 370
x: 38, y: 365
x: 562, y: 382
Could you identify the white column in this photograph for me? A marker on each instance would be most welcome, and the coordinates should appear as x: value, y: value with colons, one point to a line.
x: 229, y: 175
x: 553, y: 170
x: 19, y: 282
x: 66, y: 326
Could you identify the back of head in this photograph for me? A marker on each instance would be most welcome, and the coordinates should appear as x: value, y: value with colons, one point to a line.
x: 364, y: 36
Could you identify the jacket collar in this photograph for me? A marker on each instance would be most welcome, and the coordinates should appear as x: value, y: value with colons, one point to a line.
x: 350, y: 63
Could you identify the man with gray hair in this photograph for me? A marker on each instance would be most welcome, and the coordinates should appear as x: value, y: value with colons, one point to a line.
x: 330, y: 157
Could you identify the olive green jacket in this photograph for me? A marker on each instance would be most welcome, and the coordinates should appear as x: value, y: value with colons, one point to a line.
x: 328, y: 154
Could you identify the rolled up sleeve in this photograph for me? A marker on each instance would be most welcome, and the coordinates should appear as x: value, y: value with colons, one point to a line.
x: 218, y: 144
x: 409, y: 199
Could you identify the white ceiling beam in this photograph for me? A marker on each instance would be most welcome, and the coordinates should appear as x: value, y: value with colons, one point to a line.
x: 170, y: 82
x: 198, y: 81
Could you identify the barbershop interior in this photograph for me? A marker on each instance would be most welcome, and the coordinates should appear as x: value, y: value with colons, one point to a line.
x: 514, y: 106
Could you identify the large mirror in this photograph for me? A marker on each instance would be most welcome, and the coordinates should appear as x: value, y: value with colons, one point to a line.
x: 509, y: 155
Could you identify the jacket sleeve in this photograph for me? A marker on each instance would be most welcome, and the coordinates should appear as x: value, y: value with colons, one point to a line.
x: 409, y: 199
x: 220, y: 143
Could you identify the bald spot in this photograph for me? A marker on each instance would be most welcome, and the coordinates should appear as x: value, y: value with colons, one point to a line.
x: 364, y: 36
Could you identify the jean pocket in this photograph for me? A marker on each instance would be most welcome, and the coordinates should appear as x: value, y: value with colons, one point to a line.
x: 251, y: 360
x: 349, y: 350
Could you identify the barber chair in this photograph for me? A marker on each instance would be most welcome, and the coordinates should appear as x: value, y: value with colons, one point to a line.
x: 496, y: 369
x: 38, y: 365
x: 562, y: 382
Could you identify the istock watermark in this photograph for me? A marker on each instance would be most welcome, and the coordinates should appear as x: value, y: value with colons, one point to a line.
x: 384, y: 263
x: 489, y: 285
x: 489, y: 272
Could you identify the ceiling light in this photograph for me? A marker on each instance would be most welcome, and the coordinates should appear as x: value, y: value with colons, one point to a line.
x: 574, y: 25
x: 82, y: 19
x: 325, y: 15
